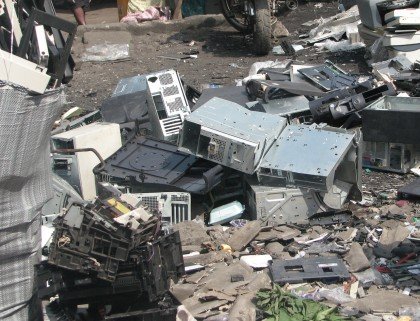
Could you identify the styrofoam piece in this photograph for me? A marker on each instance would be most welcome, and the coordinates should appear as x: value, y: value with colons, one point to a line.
x: 194, y: 268
x: 257, y: 261
x: 404, y: 21
x: 226, y: 213
x: 415, y: 170
x: 46, y: 233
x: 402, y: 40
x: 400, y: 13
x: 412, y: 55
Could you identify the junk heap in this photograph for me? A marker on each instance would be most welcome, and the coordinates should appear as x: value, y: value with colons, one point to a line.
x: 240, y: 202
x: 263, y: 183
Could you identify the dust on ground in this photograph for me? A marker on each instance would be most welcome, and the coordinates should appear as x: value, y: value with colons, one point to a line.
x: 224, y: 54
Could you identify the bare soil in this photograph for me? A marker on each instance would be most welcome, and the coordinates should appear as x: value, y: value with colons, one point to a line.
x: 224, y: 54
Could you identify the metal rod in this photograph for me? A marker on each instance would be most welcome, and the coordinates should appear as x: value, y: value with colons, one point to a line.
x: 78, y: 150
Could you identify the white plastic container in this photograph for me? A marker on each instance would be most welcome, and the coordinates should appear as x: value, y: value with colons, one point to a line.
x: 226, y: 213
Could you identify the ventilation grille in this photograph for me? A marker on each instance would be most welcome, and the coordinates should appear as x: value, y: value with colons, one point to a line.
x: 151, y: 202
x: 166, y: 79
x: 170, y: 91
x: 179, y: 198
x: 176, y: 105
x: 171, y: 125
x: 180, y: 213
x: 173, y: 207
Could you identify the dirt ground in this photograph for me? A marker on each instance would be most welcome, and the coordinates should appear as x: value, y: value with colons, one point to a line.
x: 224, y: 54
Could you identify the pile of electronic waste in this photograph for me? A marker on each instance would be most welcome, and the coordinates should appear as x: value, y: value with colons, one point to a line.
x: 107, y: 253
x: 35, y: 46
x: 295, y: 134
x: 286, y: 148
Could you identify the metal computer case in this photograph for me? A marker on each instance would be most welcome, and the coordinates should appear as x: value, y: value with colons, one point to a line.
x: 281, y: 205
x: 167, y: 104
x: 105, y: 138
x: 174, y: 207
x: 228, y: 134
x: 316, y: 157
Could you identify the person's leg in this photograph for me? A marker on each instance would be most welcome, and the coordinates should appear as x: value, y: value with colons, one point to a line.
x: 79, y: 14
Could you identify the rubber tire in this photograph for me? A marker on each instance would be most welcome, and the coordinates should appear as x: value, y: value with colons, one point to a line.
x: 233, y: 22
x: 262, y: 28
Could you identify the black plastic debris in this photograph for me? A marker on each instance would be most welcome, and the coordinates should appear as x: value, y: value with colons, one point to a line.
x: 411, y: 190
x: 146, y: 164
x: 309, y: 270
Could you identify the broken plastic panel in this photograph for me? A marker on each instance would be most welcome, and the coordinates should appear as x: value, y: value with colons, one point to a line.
x: 39, y: 51
x: 125, y: 108
x: 148, y: 270
x: 226, y: 213
x: 88, y: 240
x: 270, y: 90
x: 79, y: 122
x: 343, y: 102
x: 236, y: 94
x: 23, y: 73
x: 61, y: 64
x: 309, y: 270
x: 393, y: 68
x: 64, y: 193
x: 393, y: 157
x: 230, y: 135
x: 167, y: 104
x: 328, y: 78
x: 149, y: 165
x: 174, y: 207
x: 392, y: 119
x: 411, y: 190
x: 281, y: 205
x: 315, y: 157
x: 292, y: 108
x: 128, y: 101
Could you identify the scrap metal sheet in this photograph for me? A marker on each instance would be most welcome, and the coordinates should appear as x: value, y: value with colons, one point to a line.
x: 307, y: 156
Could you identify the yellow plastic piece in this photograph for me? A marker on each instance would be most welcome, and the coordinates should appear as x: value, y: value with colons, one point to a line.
x: 118, y: 205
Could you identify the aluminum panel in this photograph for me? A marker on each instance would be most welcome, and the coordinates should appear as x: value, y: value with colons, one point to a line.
x: 281, y: 205
x: 306, y: 156
x: 230, y: 135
